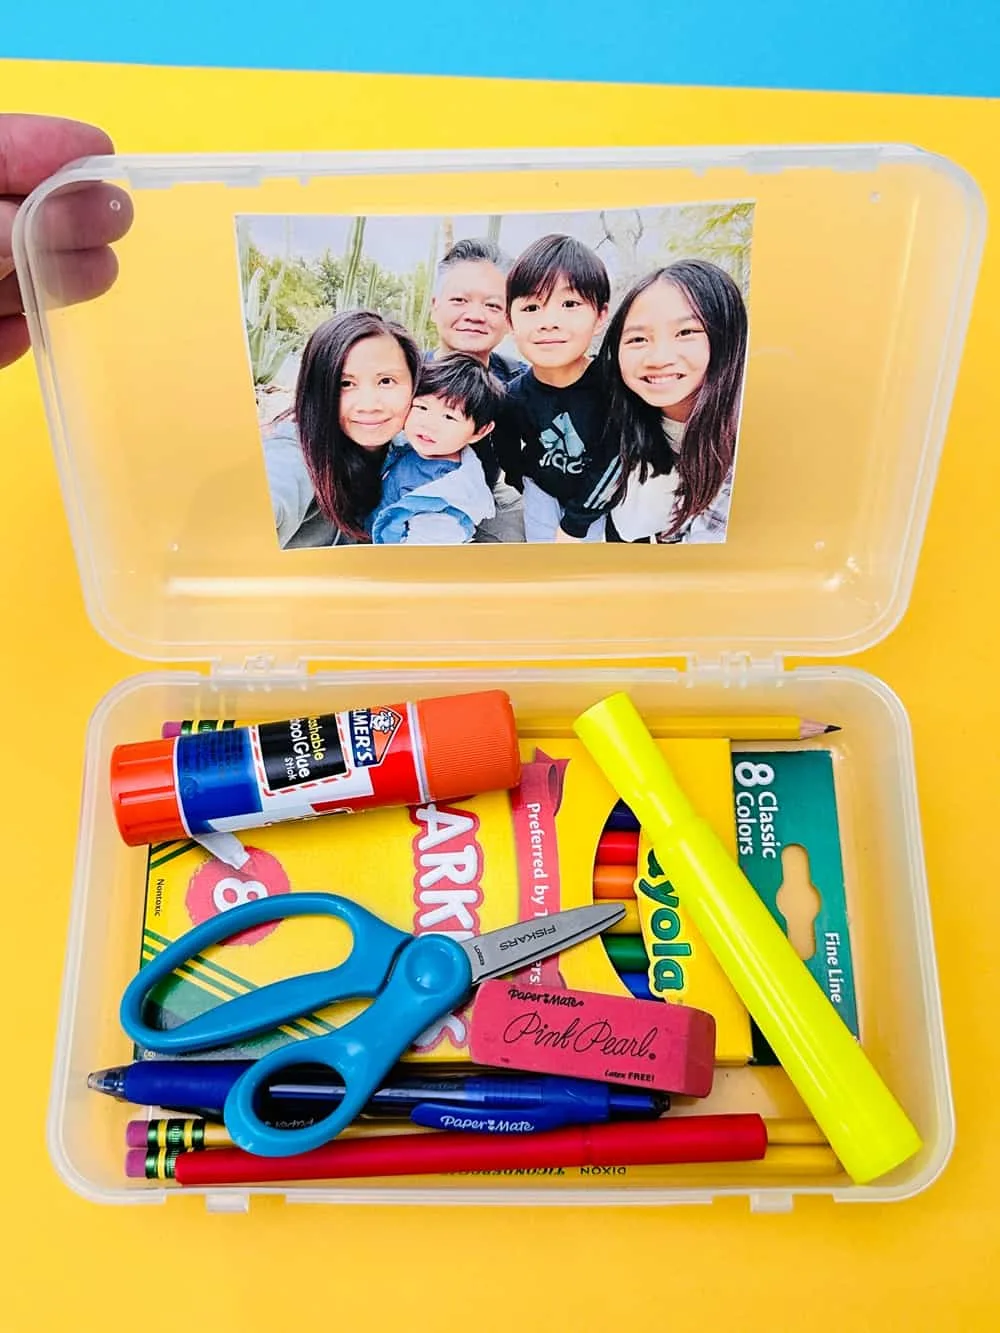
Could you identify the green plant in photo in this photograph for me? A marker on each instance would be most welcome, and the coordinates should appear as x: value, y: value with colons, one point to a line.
x: 419, y: 291
x: 721, y: 234
x: 352, y: 264
x: 269, y: 346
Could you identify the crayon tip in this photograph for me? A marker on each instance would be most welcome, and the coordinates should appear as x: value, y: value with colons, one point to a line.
x: 135, y: 1134
x: 135, y: 1164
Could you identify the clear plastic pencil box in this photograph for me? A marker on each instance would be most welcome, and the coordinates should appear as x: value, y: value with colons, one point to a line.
x: 863, y: 269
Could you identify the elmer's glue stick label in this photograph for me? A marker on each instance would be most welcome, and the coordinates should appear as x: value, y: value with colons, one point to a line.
x: 229, y: 780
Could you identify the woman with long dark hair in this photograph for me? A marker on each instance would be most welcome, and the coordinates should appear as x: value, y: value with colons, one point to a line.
x: 324, y: 455
x: 673, y: 361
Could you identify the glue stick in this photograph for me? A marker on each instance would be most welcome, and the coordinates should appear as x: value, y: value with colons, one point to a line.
x: 218, y: 782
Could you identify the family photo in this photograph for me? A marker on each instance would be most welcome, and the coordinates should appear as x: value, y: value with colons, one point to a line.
x: 517, y: 377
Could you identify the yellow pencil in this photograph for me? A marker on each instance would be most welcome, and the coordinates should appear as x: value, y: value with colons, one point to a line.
x: 783, y: 1160
x: 750, y: 727
x: 792, y: 1133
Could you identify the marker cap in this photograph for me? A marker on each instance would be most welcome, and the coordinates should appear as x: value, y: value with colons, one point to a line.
x: 144, y: 793
x: 470, y: 744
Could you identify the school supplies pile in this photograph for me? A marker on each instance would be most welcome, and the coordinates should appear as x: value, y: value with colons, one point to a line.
x: 659, y: 841
x: 457, y: 867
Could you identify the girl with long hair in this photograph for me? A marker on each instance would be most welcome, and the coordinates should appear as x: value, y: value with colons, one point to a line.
x: 672, y: 363
x: 324, y: 456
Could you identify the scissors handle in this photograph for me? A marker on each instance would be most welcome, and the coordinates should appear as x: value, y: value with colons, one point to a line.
x: 374, y: 949
x: 432, y: 975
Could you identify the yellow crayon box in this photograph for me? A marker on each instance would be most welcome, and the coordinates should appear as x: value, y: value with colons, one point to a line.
x: 458, y: 868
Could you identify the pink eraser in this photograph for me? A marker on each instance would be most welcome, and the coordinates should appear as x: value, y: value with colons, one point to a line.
x: 584, y: 1034
x: 135, y: 1163
x: 136, y: 1133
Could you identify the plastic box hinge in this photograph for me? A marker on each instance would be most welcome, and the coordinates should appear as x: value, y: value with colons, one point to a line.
x: 734, y: 669
x: 775, y: 1201
x: 219, y: 1202
x: 263, y: 666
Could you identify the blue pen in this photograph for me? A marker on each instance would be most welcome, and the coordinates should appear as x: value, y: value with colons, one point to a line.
x: 516, y: 1103
x: 524, y: 1104
x: 499, y: 1121
x: 194, y: 1086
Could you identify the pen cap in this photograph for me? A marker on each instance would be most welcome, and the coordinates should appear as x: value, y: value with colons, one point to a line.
x: 144, y: 792
x: 469, y: 744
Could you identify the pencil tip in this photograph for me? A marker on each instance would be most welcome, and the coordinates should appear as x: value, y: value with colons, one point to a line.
x: 809, y: 729
x: 831, y: 727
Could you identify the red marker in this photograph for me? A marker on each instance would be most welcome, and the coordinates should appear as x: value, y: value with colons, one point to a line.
x: 695, y: 1138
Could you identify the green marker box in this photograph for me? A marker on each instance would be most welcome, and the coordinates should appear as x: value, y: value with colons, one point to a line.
x: 789, y: 847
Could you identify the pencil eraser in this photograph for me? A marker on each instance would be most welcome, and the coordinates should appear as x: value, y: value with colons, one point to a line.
x: 136, y: 1132
x: 583, y: 1034
x: 135, y: 1163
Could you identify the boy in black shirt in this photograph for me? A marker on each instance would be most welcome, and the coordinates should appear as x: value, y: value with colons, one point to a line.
x: 550, y: 431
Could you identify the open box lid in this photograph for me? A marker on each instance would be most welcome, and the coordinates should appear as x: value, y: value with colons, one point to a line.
x: 862, y: 266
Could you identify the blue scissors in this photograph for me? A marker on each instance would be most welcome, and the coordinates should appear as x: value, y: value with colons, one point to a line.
x: 411, y: 979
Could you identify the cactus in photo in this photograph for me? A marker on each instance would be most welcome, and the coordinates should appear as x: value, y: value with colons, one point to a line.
x: 352, y: 263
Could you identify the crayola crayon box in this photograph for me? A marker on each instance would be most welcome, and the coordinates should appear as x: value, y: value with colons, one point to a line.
x: 461, y: 868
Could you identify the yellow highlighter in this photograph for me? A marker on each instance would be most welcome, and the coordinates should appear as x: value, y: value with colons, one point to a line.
x: 862, y: 1121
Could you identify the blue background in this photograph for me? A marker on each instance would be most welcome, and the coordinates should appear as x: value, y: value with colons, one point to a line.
x: 900, y: 46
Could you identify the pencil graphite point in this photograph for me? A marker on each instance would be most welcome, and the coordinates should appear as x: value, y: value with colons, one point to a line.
x: 808, y: 729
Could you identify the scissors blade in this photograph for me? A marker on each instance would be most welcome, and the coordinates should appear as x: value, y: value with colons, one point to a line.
x: 501, y: 951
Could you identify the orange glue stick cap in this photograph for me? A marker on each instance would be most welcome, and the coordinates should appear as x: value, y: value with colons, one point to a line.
x: 144, y: 793
x: 469, y: 744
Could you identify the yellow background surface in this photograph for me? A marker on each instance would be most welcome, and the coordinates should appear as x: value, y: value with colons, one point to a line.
x: 928, y: 1263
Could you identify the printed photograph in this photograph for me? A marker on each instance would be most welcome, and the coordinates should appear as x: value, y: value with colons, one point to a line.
x: 520, y: 377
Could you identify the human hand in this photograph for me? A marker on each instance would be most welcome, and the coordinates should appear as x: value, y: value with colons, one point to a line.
x: 76, y: 224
